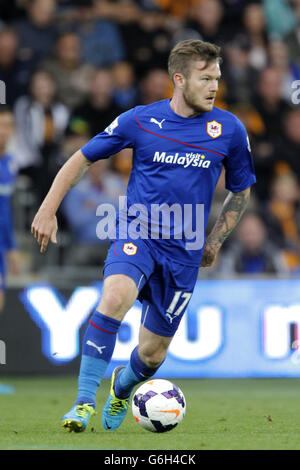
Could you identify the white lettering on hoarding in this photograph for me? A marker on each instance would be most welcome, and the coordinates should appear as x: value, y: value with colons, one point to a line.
x: 209, y: 335
x: 60, y: 323
x: 60, y: 326
x: 277, y: 320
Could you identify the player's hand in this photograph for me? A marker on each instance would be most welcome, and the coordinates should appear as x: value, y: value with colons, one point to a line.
x: 44, y: 228
x: 209, y: 255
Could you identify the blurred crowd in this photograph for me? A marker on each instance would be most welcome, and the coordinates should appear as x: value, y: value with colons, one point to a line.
x: 71, y: 66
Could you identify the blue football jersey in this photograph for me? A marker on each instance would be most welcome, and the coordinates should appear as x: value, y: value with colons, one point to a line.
x: 7, y: 183
x: 176, y: 165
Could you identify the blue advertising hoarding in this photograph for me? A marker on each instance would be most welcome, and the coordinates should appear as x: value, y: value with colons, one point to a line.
x: 232, y: 328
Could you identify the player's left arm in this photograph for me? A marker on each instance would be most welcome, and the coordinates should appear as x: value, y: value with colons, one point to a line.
x: 239, y: 176
x: 233, y: 208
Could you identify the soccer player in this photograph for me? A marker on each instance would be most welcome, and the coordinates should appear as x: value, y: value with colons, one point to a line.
x: 8, y: 253
x: 179, y: 148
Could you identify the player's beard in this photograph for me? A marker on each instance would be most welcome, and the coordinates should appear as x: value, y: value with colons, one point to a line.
x: 190, y: 99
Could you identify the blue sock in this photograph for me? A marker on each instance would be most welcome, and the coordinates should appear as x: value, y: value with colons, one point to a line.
x: 135, y: 372
x: 98, y: 346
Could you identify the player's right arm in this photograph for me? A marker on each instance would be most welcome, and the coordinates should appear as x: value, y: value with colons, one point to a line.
x: 115, y: 137
x: 118, y: 135
x: 44, y: 225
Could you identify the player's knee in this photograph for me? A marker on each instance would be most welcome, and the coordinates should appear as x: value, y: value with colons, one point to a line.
x: 118, y: 296
x: 114, y: 302
x: 152, y: 359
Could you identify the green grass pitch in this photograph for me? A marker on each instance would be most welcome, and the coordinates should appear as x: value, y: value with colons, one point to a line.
x: 239, y: 414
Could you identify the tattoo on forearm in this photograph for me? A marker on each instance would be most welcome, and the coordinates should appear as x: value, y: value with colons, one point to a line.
x: 80, y: 174
x: 77, y: 178
x: 234, y: 206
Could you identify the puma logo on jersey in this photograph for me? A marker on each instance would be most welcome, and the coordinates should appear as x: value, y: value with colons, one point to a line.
x: 157, y: 122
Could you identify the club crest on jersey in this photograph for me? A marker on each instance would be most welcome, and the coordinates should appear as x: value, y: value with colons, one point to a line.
x: 129, y: 249
x: 214, y: 129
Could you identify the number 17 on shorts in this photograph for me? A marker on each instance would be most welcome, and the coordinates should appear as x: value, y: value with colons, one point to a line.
x: 178, y: 304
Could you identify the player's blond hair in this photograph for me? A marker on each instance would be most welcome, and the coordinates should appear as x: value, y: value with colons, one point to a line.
x: 190, y: 50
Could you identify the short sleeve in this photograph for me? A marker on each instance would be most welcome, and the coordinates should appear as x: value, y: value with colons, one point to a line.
x: 239, y: 168
x: 118, y: 135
